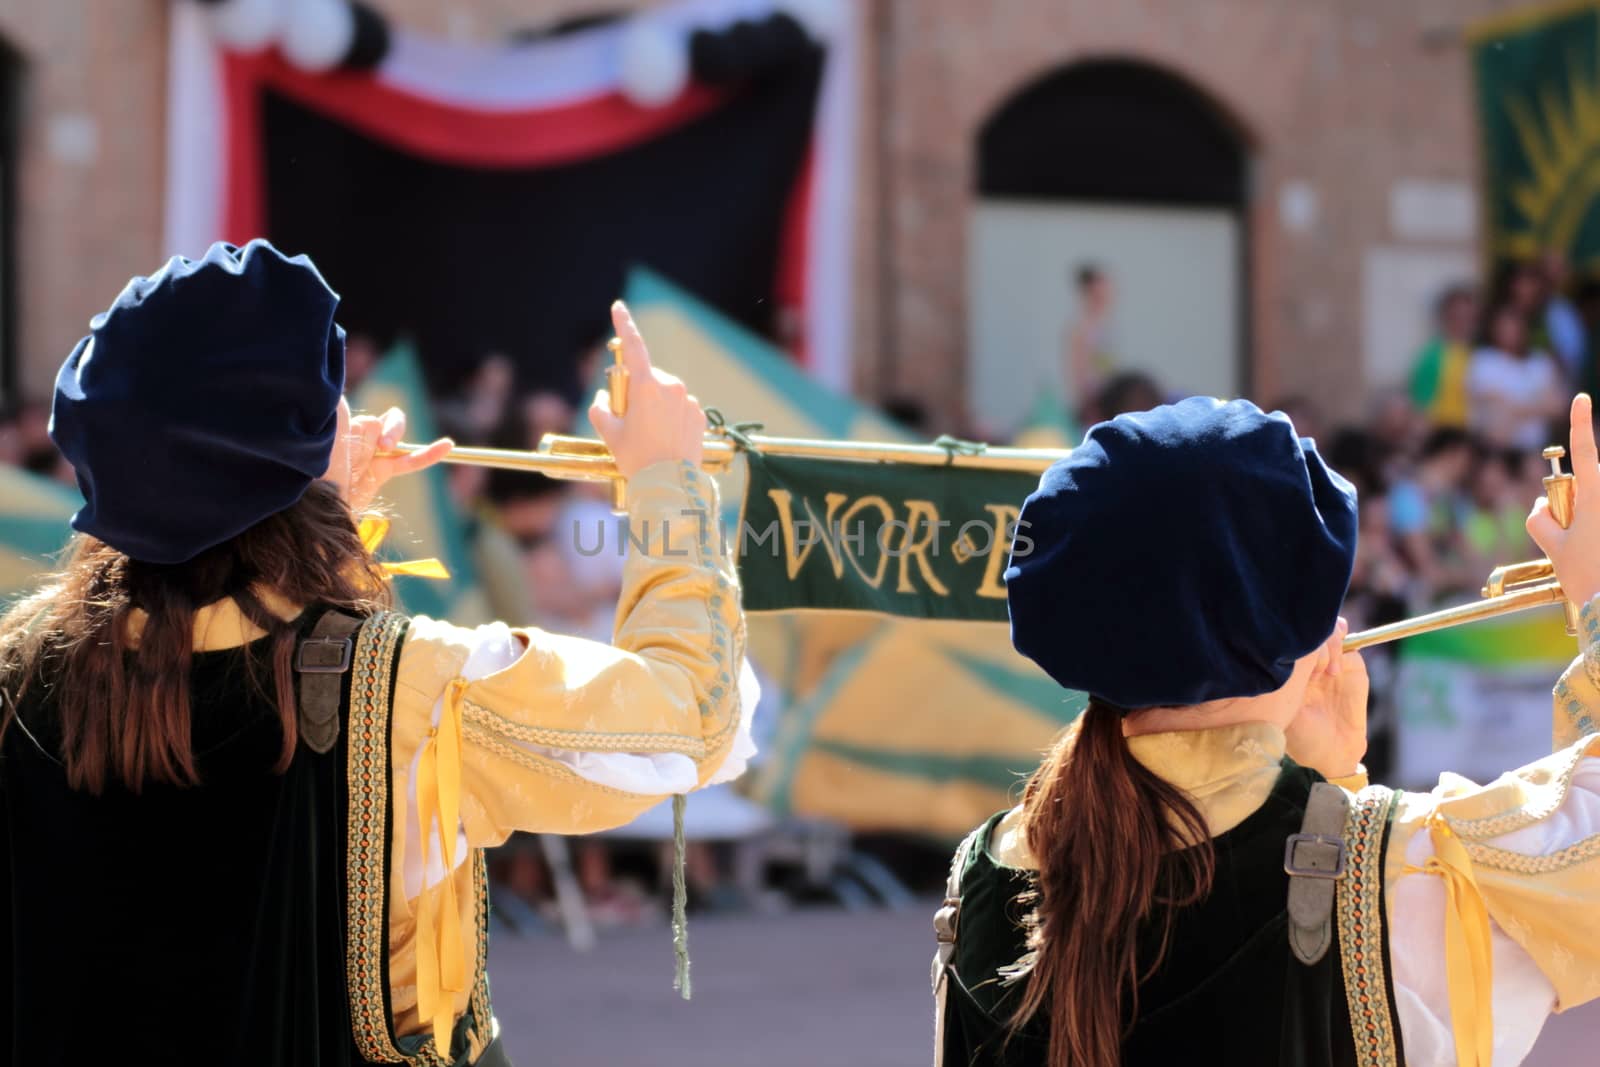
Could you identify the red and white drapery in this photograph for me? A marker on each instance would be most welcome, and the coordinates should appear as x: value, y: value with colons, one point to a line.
x: 549, y: 102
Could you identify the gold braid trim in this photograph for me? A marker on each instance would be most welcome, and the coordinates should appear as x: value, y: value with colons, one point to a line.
x: 366, y: 837
x: 1495, y: 825
x: 1500, y: 859
x: 1360, y: 916
x: 582, y: 740
x: 491, y: 742
x: 367, y: 859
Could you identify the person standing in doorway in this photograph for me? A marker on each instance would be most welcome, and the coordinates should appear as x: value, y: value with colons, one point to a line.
x: 1088, y: 362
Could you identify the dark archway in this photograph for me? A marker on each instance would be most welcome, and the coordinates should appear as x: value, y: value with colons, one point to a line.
x: 1113, y: 130
x: 1137, y: 172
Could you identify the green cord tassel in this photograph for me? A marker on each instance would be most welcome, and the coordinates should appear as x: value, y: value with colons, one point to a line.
x: 680, y: 899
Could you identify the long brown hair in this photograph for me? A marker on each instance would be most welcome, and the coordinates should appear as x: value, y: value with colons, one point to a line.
x: 1118, y: 848
x: 123, y: 697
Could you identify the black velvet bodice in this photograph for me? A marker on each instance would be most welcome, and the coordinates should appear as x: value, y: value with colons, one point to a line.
x: 1228, y: 991
x: 199, y: 925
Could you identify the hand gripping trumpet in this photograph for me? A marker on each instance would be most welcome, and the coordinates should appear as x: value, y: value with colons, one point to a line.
x: 1510, y: 588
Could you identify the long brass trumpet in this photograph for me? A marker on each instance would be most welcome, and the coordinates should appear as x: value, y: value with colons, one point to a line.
x: 584, y: 459
x: 1511, y: 588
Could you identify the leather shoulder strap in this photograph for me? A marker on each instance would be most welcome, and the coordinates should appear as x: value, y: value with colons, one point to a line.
x: 321, y: 661
x: 1314, y: 859
x: 945, y: 922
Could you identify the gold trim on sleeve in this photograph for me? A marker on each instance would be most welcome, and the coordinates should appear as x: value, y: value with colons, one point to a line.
x: 1362, y: 951
x: 367, y: 858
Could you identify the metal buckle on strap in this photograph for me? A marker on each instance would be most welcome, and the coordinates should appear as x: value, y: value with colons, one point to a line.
x: 946, y: 919
x: 1292, y: 865
x: 328, y: 655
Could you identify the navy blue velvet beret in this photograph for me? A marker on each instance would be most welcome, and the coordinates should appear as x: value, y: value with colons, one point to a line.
x: 203, y: 401
x: 1179, y: 555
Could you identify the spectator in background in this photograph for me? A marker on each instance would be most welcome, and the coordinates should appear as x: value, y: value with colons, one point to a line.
x: 1563, y: 325
x: 480, y: 406
x: 1524, y: 287
x: 1088, y: 361
x: 1356, y: 454
x: 1493, y: 532
x: 361, y: 355
x: 545, y: 412
x: 909, y: 412
x: 1427, y: 509
x: 1122, y: 393
x: 1439, y: 373
x: 39, y: 454
x: 1396, y: 431
x: 1515, y: 389
x: 10, y: 439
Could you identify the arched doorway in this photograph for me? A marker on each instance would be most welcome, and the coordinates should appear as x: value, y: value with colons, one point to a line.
x: 1124, y: 167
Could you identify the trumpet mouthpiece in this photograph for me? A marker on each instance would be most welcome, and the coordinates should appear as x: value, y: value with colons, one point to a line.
x: 617, y: 378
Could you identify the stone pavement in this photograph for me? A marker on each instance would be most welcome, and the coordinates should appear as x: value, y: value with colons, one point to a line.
x: 812, y: 988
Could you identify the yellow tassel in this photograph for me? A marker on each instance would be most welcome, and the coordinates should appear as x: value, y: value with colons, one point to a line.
x: 441, y: 948
x: 373, y: 529
x: 416, y: 568
x: 1468, y: 955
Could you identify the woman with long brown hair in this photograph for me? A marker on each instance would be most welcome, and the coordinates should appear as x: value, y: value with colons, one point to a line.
x: 244, y: 800
x: 1199, y: 872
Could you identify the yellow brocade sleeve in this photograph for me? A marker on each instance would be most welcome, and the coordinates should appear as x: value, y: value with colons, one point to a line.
x: 1504, y: 855
x: 667, y: 684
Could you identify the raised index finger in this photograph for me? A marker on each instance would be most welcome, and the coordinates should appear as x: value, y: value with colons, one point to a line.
x: 1585, y: 459
x: 635, y: 356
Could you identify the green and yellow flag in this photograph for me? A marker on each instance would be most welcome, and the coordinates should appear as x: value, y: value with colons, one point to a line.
x: 33, y: 528
x: 890, y: 723
x: 425, y: 521
x: 1537, y: 74
x: 923, y: 726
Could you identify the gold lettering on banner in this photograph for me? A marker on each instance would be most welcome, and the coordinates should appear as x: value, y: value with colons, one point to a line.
x: 876, y: 580
x: 784, y: 501
x: 1005, y: 516
x: 914, y: 548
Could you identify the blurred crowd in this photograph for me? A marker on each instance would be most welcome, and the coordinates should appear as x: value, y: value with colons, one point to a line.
x: 1447, y: 470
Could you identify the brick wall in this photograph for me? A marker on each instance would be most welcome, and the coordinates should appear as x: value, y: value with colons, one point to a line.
x: 1344, y: 99
x: 90, y: 164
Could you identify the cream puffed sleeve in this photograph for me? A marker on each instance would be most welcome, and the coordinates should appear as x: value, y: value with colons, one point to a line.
x: 573, y: 735
x: 497, y: 729
x: 1494, y: 891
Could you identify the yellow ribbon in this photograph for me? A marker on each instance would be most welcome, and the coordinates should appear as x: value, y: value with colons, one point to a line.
x: 1468, y: 957
x: 441, y: 951
x: 373, y: 529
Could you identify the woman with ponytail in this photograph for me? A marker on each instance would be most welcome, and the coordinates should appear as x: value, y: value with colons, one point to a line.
x: 243, y: 800
x: 1199, y: 872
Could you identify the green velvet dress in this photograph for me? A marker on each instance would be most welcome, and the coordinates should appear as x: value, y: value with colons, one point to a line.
x: 1229, y: 990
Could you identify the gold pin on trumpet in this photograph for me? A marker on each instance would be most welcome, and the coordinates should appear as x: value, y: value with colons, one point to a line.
x: 1559, y: 489
x: 617, y: 378
x: 617, y: 389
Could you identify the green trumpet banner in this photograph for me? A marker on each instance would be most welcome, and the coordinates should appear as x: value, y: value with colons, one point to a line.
x: 916, y: 541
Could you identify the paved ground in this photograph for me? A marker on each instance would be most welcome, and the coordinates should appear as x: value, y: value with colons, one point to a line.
x: 816, y: 988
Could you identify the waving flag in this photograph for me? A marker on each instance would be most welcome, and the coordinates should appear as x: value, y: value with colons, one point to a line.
x: 891, y: 723
x: 1538, y: 88
x: 424, y: 521
x: 33, y: 527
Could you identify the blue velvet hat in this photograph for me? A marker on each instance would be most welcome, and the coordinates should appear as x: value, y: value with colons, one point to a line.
x: 203, y: 401
x: 1189, y: 553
